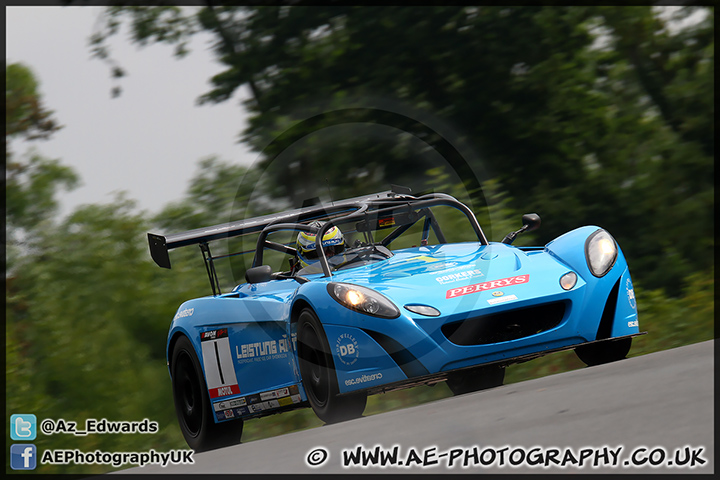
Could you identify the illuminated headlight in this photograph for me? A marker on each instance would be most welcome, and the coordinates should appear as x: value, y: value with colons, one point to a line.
x: 568, y: 280
x: 601, y: 252
x: 363, y: 300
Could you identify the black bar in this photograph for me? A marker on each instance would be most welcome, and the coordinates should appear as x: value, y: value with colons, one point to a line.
x: 217, y: 356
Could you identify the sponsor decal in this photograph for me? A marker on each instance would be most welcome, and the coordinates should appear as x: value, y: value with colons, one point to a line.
x: 257, y: 402
x: 213, y: 334
x: 443, y: 267
x: 224, y: 391
x: 479, y: 287
x: 268, y: 395
x: 346, y: 349
x: 634, y: 323
x: 364, y: 378
x: 386, y: 222
x: 455, y: 277
x: 262, y: 351
x: 184, y: 313
x: 497, y: 293
x: 257, y: 349
x: 630, y: 293
x: 423, y: 258
x: 495, y: 301
x: 218, y: 362
x: 226, y: 404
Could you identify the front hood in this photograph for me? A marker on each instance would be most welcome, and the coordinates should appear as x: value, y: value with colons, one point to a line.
x: 460, y: 277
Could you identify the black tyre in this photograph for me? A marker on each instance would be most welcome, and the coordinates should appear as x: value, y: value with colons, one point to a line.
x: 318, y: 374
x: 192, y: 403
x: 603, y: 352
x: 474, y: 379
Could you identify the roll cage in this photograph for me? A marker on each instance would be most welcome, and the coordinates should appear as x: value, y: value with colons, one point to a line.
x: 394, y: 208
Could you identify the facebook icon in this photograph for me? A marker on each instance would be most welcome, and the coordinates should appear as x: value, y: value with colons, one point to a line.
x: 23, y: 456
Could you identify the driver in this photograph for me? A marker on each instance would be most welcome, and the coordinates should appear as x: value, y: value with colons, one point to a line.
x: 333, y: 243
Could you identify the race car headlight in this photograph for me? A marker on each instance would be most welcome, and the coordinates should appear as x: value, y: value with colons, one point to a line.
x: 601, y: 252
x: 363, y: 300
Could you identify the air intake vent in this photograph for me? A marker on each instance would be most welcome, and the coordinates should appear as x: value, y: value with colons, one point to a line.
x: 505, y: 326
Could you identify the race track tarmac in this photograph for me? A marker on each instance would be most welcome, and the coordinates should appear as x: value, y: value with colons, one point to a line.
x: 644, y: 414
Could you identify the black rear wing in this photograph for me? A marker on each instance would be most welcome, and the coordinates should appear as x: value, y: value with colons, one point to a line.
x: 339, y: 212
x: 160, y: 245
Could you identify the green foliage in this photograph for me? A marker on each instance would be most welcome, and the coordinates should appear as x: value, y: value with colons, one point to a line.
x: 31, y: 185
x: 25, y: 116
x: 97, y: 334
x: 592, y: 115
x: 31, y: 181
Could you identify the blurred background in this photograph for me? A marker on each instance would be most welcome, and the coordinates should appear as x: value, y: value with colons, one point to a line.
x: 585, y: 115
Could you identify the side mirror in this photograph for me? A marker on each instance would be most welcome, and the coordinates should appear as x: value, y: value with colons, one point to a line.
x: 260, y: 274
x: 531, y: 221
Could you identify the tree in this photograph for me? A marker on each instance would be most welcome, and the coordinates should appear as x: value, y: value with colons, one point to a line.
x: 598, y: 115
x: 31, y: 181
x: 25, y: 116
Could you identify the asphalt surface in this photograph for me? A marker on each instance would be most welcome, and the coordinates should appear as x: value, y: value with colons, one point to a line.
x: 645, y: 414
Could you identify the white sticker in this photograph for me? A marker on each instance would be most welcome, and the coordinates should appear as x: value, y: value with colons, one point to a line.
x: 219, y: 368
x: 268, y: 395
x: 494, y: 301
x: 346, y: 349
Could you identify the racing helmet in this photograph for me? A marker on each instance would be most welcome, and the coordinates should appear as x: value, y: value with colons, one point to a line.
x: 333, y: 242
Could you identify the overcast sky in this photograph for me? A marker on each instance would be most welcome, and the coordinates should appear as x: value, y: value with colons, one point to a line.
x: 148, y: 140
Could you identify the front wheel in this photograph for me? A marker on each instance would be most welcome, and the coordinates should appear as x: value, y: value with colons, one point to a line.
x: 192, y: 403
x: 474, y: 379
x: 318, y: 374
x: 603, y: 352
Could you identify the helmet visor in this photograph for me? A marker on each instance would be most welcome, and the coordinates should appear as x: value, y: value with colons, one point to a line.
x: 330, y: 250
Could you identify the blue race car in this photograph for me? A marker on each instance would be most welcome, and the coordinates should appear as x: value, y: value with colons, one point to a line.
x: 378, y: 297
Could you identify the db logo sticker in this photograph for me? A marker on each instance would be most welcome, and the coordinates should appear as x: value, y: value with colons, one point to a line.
x: 630, y: 292
x: 346, y: 348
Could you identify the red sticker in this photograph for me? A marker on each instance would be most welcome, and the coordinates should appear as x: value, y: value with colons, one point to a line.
x: 224, y: 391
x: 479, y: 287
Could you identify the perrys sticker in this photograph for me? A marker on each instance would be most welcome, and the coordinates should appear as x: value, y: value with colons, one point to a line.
x: 479, y: 287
